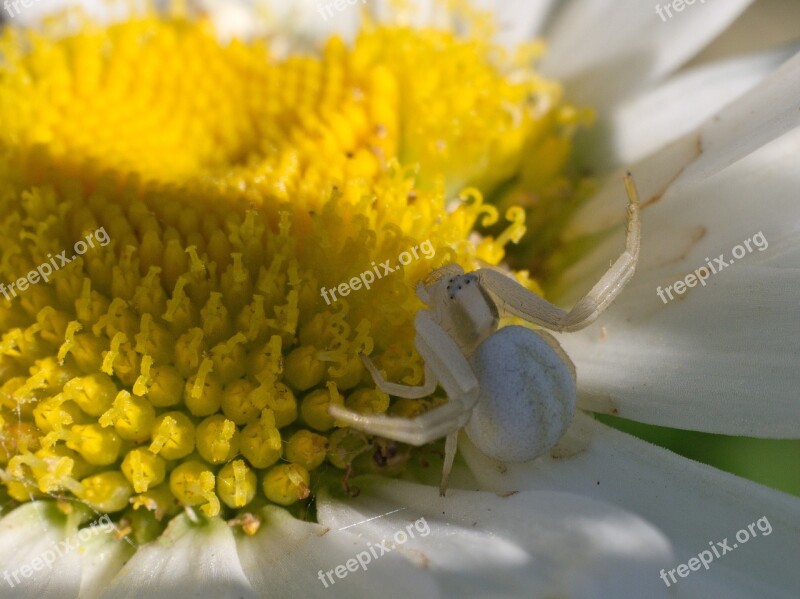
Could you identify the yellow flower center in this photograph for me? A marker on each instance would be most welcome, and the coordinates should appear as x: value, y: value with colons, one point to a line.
x: 173, y: 211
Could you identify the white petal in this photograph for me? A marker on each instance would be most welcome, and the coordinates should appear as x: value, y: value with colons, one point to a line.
x: 722, y: 357
x: 753, y: 120
x: 761, y: 115
x: 764, y: 25
x: 38, y: 10
x: 102, y: 558
x: 653, y: 119
x: 35, y: 560
x: 691, y: 503
x: 186, y: 561
x: 531, y: 544
x: 290, y: 558
x: 604, y: 50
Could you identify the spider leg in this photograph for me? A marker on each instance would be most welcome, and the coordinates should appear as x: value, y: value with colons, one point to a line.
x: 398, y: 390
x: 423, y: 429
x: 444, y: 363
x: 513, y: 298
x: 450, y: 446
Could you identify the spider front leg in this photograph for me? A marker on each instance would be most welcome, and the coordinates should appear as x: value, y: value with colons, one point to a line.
x: 513, y: 298
x: 445, y: 364
x: 409, y: 392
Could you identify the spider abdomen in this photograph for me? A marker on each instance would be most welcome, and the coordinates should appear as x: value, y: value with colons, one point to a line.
x: 527, y: 395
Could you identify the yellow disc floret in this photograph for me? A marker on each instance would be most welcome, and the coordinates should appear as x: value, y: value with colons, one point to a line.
x: 217, y: 439
x: 94, y: 393
x: 283, y: 403
x: 97, y: 445
x: 192, y: 483
x: 286, y: 484
x: 306, y: 449
x: 143, y: 469
x: 203, y: 392
x: 303, y: 369
x: 173, y: 436
x: 107, y: 492
x: 314, y: 407
x: 131, y: 416
x: 368, y: 401
x: 166, y: 387
x: 260, y: 441
x: 236, y: 484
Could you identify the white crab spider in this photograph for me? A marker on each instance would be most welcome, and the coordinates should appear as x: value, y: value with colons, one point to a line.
x: 513, y: 389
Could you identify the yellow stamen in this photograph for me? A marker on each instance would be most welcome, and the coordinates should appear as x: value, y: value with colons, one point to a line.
x: 217, y: 439
x: 143, y: 469
x: 193, y: 483
x: 236, y: 484
x: 131, y: 416
x: 172, y: 435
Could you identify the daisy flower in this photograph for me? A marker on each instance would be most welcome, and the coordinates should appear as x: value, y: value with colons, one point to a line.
x: 192, y: 197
